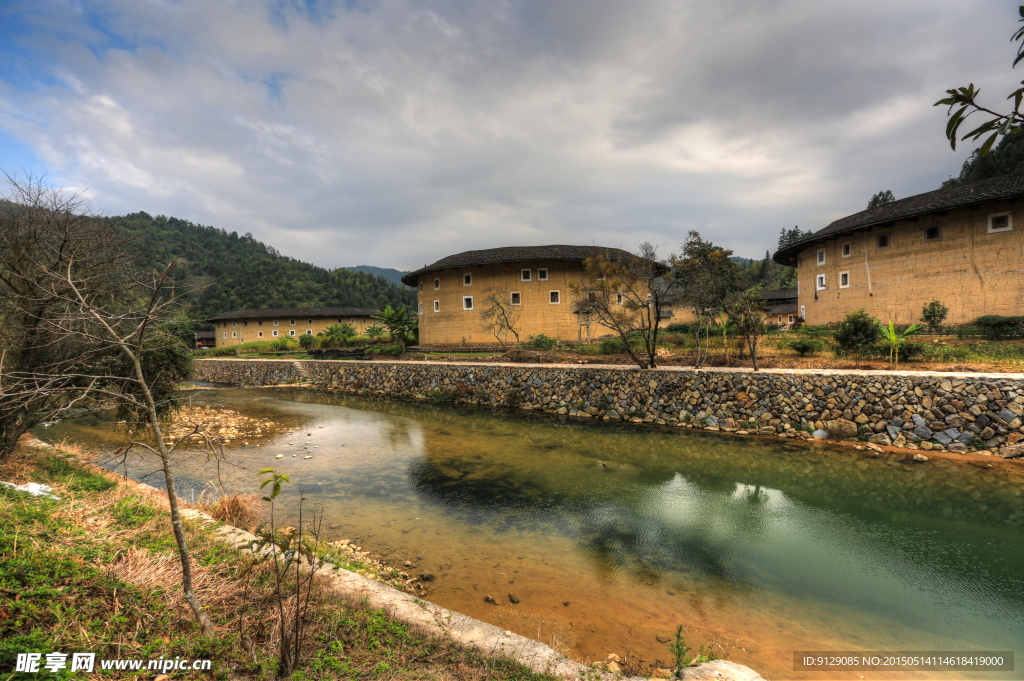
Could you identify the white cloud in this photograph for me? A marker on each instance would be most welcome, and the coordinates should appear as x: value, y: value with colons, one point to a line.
x: 396, y: 133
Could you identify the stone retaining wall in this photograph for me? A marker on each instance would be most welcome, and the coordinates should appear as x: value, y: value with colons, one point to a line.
x: 954, y: 413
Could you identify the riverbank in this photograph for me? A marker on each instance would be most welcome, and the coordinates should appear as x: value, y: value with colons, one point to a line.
x: 929, y: 411
x: 94, y: 571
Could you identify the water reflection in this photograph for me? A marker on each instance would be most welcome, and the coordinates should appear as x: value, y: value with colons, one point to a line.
x: 770, y: 547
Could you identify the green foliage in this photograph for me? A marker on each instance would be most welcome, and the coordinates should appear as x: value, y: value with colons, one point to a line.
x: 513, y: 398
x: 933, y: 314
x: 612, y: 346
x: 995, y: 327
x: 1006, y: 158
x: 441, y: 396
x: 893, y: 338
x: 308, y: 341
x: 857, y: 333
x: 399, y: 323
x: 337, y: 335
x: 244, y: 273
x: 681, y: 329
x: 541, y: 342
x: 806, y: 346
x: 375, y: 332
x: 788, y: 237
x: 393, y: 350
x: 679, y: 651
x: 881, y: 198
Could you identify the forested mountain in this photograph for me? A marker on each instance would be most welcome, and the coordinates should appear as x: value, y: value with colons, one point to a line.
x: 391, y: 274
x: 1005, y: 159
x: 244, y: 273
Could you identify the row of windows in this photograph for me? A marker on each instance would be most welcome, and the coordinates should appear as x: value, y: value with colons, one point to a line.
x: 224, y: 325
x: 844, y: 281
x: 524, y: 275
x: 259, y: 334
x: 554, y: 298
x: 1001, y: 222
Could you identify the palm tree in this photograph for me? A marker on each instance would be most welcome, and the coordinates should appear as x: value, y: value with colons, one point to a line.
x: 337, y: 335
x: 399, y: 323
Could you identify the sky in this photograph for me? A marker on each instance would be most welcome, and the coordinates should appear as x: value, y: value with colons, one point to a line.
x: 395, y: 133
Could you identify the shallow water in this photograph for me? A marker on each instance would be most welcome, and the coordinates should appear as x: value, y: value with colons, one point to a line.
x: 612, y: 536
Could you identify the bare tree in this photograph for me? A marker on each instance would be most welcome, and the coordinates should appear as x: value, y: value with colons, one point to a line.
x: 500, y: 315
x: 749, y: 312
x: 73, y: 289
x: 627, y: 294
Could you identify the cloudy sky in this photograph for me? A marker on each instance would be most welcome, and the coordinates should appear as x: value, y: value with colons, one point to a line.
x: 396, y: 132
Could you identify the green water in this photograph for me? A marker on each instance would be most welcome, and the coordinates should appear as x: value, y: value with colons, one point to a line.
x: 610, y: 536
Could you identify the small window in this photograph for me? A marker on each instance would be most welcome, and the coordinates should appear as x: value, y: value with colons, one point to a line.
x: 292, y: 322
x: 260, y: 334
x: 234, y: 334
x: 437, y: 284
x: 542, y: 274
x: 275, y: 333
x: 1000, y: 222
x: 234, y: 323
x: 309, y: 321
x: 245, y: 323
x: 517, y: 299
x: 821, y: 257
x: 803, y: 311
x: 932, y: 234
x: 420, y: 308
x: 821, y: 282
x: 467, y: 279
x: 847, y: 250
x: 276, y: 322
x: 309, y: 332
x: 421, y: 287
x: 259, y: 323
x: 437, y: 306
x: 618, y: 299
x: 883, y: 242
x: 780, y: 319
x: 225, y: 334
x: 467, y: 302
x: 525, y: 275
x: 291, y: 332
x: 844, y: 280
x: 553, y: 297
x: 790, y: 319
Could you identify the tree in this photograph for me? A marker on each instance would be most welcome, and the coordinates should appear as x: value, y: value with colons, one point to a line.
x: 933, y: 314
x: 749, y: 312
x: 999, y: 124
x: 399, y: 323
x: 895, y: 339
x: 627, y: 295
x: 1006, y: 158
x: 705, y: 278
x: 788, y: 237
x: 499, y: 316
x: 375, y: 332
x: 881, y: 198
x: 307, y: 341
x: 857, y: 333
x: 336, y: 335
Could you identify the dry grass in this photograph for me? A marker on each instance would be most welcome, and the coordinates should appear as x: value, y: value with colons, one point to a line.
x: 244, y: 510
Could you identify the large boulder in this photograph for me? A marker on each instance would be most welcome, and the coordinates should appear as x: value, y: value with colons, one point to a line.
x: 841, y: 428
x: 1012, y: 451
x: 720, y: 670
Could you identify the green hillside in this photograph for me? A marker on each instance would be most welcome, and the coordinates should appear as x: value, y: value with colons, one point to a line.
x: 243, y: 273
x: 389, y: 273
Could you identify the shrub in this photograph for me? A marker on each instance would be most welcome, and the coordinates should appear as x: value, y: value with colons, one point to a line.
x: 386, y: 350
x: 682, y: 329
x: 307, y: 341
x: 857, y: 333
x: 541, y: 342
x: 933, y: 314
x: 806, y: 346
x: 611, y: 346
x: 995, y: 327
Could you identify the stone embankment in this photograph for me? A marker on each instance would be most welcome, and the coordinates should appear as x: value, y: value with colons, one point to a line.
x: 913, y: 410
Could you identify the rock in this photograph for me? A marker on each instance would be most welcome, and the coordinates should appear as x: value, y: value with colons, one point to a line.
x: 727, y: 424
x: 428, y: 577
x: 841, y: 428
x: 766, y: 430
x: 1008, y: 417
x: 920, y: 458
x: 490, y: 599
x: 880, y: 439
x: 987, y: 433
x: 711, y: 421
x: 918, y: 420
x: 612, y: 657
x: 1012, y: 451
x: 819, y: 434
x: 720, y: 670
x: 926, y: 446
x: 942, y: 438
x: 661, y: 673
x: 613, y: 667
x: 893, y: 431
x: 957, y: 447
x: 861, y: 419
x: 923, y: 432
x: 512, y: 599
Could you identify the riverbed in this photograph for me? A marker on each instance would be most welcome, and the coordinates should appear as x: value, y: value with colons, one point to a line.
x: 609, y: 537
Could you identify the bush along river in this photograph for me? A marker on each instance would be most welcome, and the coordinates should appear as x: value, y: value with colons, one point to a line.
x: 598, y: 538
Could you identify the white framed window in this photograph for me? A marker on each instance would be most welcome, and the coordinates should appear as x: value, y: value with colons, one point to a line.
x: 844, y: 280
x: 234, y: 334
x: 292, y: 322
x: 803, y: 312
x: 780, y: 319
x: 883, y: 241
x: 467, y: 279
x: 275, y: 333
x: 276, y: 323
x: 467, y: 302
x: 542, y: 274
x: 309, y: 321
x: 819, y: 282
x: 259, y: 334
x: 618, y: 299
x: 309, y: 332
x: 790, y: 319
x: 437, y: 284
x: 554, y: 297
x: 847, y: 250
x: 437, y: 306
x: 517, y: 298
x: 291, y: 332
x: 1000, y: 222
x: 525, y: 275
x: 933, y: 233
x: 821, y: 256
x: 225, y: 334
x: 234, y: 323
x: 420, y: 308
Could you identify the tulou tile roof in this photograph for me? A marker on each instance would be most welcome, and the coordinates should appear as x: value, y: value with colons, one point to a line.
x: 490, y: 256
x: 1005, y: 187
x: 779, y: 295
x: 307, y: 312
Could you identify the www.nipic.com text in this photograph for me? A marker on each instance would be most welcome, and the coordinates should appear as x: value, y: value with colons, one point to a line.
x: 86, y: 662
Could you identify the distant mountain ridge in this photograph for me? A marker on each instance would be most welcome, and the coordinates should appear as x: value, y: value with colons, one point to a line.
x: 389, y: 273
x: 242, y: 273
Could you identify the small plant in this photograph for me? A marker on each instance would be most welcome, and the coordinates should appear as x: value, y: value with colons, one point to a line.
x: 894, y: 339
x: 933, y: 314
x: 863, y: 437
x: 612, y: 346
x: 541, y: 342
x: 308, y: 341
x: 806, y: 346
x: 679, y: 651
x: 441, y: 396
x: 857, y: 333
x: 513, y: 397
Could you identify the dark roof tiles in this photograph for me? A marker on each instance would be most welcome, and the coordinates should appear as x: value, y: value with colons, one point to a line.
x: 1005, y: 187
x: 307, y: 312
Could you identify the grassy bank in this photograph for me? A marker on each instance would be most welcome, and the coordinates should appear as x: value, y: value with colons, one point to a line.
x: 96, y: 571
